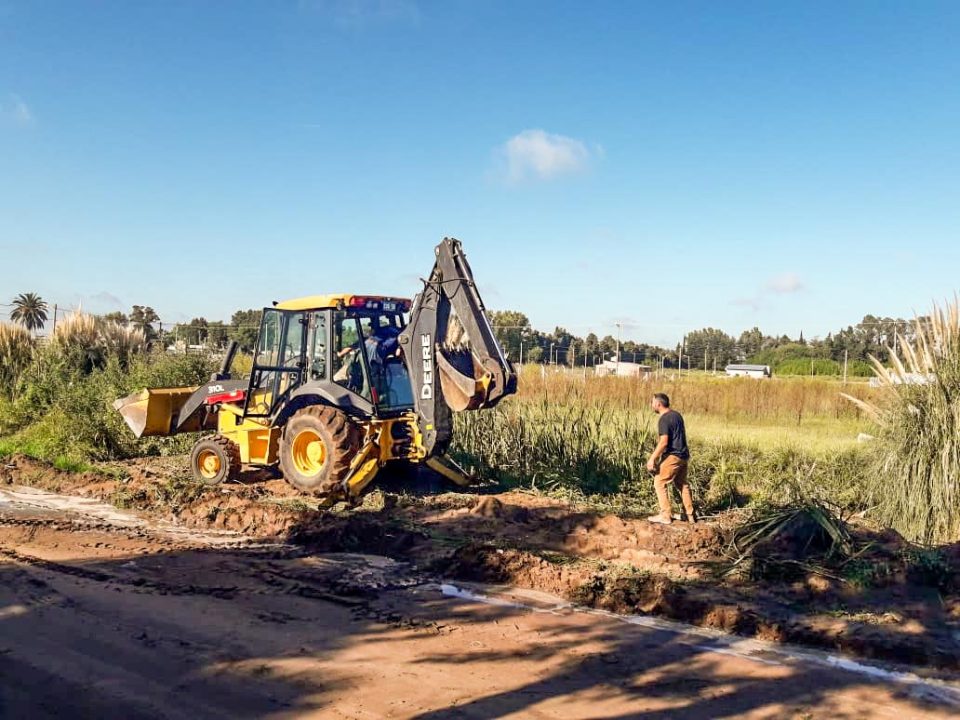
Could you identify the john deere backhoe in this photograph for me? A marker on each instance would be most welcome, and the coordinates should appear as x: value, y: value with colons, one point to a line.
x: 342, y: 385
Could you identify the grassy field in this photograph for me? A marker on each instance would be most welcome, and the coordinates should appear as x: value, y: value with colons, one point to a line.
x: 816, y: 434
x: 590, y: 436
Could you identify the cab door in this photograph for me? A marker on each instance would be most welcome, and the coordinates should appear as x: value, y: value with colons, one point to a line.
x: 279, y: 362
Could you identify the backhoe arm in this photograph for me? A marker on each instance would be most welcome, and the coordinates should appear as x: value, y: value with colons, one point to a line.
x: 452, y: 355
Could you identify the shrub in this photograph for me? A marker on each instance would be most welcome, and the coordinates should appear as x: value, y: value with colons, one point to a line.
x: 916, y: 487
x: 811, y: 366
x: 121, y: 341
x: 65, y: 409
x: 16, y: 351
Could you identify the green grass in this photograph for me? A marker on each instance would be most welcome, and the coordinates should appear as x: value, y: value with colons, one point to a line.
x: 13, y: 446
x: 814, y: 434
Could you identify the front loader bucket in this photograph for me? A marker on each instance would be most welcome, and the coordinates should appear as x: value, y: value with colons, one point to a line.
x: 151, y: 413
x: 463, y: 381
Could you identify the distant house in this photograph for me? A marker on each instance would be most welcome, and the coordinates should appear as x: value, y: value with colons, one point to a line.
x: 754, y: 371
x: 623, y: 369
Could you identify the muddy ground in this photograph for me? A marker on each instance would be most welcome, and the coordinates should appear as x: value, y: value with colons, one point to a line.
x: 903, y: 612
x: 109, y: 615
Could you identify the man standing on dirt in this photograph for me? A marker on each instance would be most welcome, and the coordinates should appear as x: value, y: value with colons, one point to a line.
x: 669, y: 459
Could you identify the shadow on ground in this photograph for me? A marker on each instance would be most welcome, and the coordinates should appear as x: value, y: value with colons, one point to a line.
x: 258, y: 633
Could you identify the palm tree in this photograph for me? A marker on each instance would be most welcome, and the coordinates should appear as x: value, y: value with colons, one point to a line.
x: 30, y: 310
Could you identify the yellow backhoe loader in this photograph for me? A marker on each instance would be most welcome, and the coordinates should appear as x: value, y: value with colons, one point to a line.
x: 342, y: 385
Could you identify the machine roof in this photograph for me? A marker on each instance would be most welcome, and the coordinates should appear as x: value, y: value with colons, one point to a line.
x: 315, y: 302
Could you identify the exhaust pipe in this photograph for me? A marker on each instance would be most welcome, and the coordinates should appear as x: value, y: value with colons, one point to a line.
x: 224, y: 372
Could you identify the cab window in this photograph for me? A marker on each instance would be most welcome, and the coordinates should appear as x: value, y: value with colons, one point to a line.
x: 317, y: 353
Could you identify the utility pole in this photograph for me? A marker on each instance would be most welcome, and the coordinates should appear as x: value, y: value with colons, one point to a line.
x: 551, y: 354
x: 54, y: 318
x: 680, y: 360
x: 618, y: 349
x: 845, y: 356
x: 521, y: 350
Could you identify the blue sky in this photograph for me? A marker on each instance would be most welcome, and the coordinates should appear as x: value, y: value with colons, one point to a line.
x: 670, y: 165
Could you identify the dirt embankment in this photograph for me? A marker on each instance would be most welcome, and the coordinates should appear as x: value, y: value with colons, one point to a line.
x: 901, y: 610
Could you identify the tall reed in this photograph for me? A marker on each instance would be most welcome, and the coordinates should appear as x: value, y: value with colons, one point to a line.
x: 16, y: 351
x: 916, y: 485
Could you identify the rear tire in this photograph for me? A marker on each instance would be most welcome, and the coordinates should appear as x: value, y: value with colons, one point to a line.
x: 215, y: 459
x: 316, y: 449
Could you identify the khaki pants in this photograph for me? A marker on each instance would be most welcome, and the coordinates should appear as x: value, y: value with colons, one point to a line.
x: 673, y: 470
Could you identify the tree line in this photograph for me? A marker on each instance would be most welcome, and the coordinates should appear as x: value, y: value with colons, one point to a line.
x: 703, y: 349
x: 711, y: 348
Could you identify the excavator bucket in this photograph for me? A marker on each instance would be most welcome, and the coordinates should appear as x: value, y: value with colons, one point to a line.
x: 151, y: 413
x: 463, y: 382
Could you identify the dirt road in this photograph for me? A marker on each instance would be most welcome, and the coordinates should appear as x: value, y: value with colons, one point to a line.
x: 108, y: 615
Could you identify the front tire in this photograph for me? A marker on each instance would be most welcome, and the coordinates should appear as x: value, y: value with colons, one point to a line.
x: 215, y: 459
x: 316, y: 449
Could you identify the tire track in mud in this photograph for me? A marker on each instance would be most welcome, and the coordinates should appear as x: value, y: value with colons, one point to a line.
x: 344, y: 580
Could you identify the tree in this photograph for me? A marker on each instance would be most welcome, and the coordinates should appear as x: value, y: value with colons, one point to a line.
x: 30, y: 310
x: 192, y: 333
x: 750, y: 343
x: 591, y: 346
x: 216, y: 334
x: 244, y: 328
x: 608, y: 347
x: 562, y: 342
x: 116, y: 317
x: 708, y: 348
x: 511, y: 329
x: 142, y: 316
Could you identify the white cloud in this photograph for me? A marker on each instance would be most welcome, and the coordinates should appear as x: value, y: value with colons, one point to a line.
x: 539, y: 155
x: 785, y: 283
x: 16, y: 112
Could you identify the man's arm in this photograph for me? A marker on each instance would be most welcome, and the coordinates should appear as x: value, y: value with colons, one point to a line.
x: 658, y: 452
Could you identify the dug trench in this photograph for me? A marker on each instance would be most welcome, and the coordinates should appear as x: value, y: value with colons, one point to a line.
x: 890, y: 602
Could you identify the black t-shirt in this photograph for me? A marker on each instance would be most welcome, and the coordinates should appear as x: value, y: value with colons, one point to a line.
x: 671, y: 425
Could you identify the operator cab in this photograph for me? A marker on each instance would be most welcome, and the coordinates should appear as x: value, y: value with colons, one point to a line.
x: 347, y: 340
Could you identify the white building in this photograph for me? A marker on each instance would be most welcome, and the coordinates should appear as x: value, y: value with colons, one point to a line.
x: 623, y: 369
x: 754, y: 371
